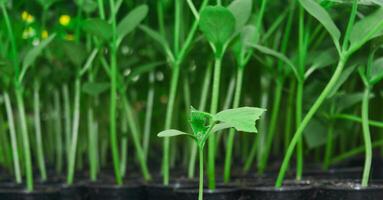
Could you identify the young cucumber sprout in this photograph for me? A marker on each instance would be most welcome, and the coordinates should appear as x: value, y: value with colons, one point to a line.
x: 205, y: 124
x: 356, y: 35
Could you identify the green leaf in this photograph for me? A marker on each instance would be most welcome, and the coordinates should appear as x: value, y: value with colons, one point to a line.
x: 220, y: 127
x: 241, y: 10
x: 315, y: 134
x: 218, y: 25
x: 131, y: 21
x: 249, y: 35
x: 172, y: 133
x: 376, y: 71
x: 346, y: 101
x: 32, y: 54
x: 95, y: 89
x: 359, y: 2
x: 367, y: 28
x: 242, y: 119
x: 319, y: 13
x: 320, y: 60
x: 278, y: 55
x: 98, y: 27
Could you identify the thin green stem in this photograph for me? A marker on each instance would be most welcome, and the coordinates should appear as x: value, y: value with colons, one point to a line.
x: 355, y: 151
x: 26, y: 143
x: 272, y: 127
x: 314, y: 108
x: 230, y: 140
x: 298, y: 114
x: 58, y: 132
x: 200, y: 191
x: 39, y: 142
x: 329, y: 147
x: 92, y: 146
x: 358, y: 119
x: 289, y: 113
x: 113, y: 97
x: 74, y: 137
x: 12, y: 133
x: 213, y: 110
x: 367, y: 138
x: 148, y: 115
x: 136, y: 140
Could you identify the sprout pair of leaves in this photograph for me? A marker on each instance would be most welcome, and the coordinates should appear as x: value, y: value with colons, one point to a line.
x: 101, y: 28
x: 204, y: 124
x: 220, y: 24
x: 364, y: 30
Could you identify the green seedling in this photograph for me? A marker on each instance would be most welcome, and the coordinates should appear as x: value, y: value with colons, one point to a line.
x: 356, y: 35
x: 205, y: 124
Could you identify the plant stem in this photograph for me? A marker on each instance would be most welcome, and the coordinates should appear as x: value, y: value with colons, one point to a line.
x: 136, y: 139
x: 12, y: 132
x: 272, y: 127
x: 168, y: 121
x: 355, y: 151
x: 358, y: 119
x: 113, y: 97
x: 330, y: 141
x: 74, y: 137
x: 39, y: 143
x: 366, y: 137
x: 298, y: 114
x: 58, y: 132
x: 92, y: 146
x: 289, y: 113
x: 200, y: 191
x: 230, y: 140
x: 213, y: 110
x: 148, y: 115
x: 314, y: 108
x: 68, y: 125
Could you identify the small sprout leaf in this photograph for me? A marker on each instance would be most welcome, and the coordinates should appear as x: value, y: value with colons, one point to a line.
x: 95, y: 89
x: 159, y: 38
x: 131, y: 21
x: 367, y: 28
x: 98, y: 27
x: 218, y: 25
x: 32, y: 54
x: 242, y: 119
x: 143, y: 69
x: 172, y: 133
x: 319, y: 13
x: 241, y: 10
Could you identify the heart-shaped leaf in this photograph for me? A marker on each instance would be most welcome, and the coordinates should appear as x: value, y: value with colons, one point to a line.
x: 218, y: 25
x: 319, y: 13
x: 241, y: 10
x: 98, y: 27
x: 242, y: 119
x: 131, y: 21
x: 367, y: 28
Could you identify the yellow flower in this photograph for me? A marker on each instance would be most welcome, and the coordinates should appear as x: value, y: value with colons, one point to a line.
x: 44, y: 34
x: 69, y: 37
x: 25, y: 16
x: 64, y: 20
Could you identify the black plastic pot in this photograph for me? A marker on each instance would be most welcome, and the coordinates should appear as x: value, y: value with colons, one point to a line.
x: 114, y: 192
x: 158, y: 191
x: 74, y: 192
x: 349, y: 190
x: 221, y: 193
x: 40, y: 193
x: 289, y: 191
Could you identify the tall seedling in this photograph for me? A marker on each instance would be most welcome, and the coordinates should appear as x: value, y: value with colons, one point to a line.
x: 356, y: 35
